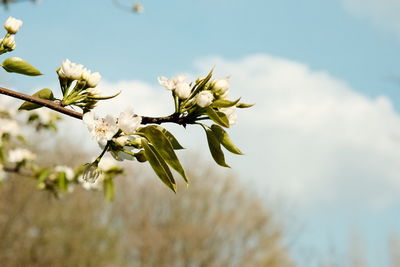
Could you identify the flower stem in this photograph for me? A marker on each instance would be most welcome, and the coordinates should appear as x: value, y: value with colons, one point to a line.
x: 56, y: 106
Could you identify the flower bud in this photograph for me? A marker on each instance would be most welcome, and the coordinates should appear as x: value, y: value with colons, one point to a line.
x: 204, y: 98
x: 183, y: 90
x: 220, y: 87
x: 121, y: 141
x: 12, y: 25
x: 91, y: 172
x: 140, y: 156
x: 9, y: 43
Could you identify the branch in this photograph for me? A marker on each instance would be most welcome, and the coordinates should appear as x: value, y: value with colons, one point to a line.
x: 56, y: 106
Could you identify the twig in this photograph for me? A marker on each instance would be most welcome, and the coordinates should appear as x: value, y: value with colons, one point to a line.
x: 54, y: 105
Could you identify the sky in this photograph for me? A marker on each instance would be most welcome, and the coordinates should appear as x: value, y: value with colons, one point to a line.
x: 324, y: 137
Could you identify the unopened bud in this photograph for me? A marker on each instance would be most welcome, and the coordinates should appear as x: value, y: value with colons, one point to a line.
x: 140, y: 156
x: 12, y: 25
x: 9, y: 43
x: 91, y: 172
x: 220, y: 87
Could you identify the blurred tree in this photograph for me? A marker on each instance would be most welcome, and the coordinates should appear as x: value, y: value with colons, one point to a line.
x: 215, y: 222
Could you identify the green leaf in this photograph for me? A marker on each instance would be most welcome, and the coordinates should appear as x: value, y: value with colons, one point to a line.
x: 103, y: 97
x: 218, y: 117
x: 159, y: 166
x: 224, y: 139
x: 200, y: 86
x: 174, y: 142
x: 243, y: 105
x: 42, y: 176
x: 62, y: 181
x: 215, y: 148
x: 45, y: 93
x: 18, y: 65
x: 164, y: 147
x: 109, y: 189
x: 224, y: 103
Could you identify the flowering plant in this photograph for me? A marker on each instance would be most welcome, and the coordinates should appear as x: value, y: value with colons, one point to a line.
x: 128, y: 137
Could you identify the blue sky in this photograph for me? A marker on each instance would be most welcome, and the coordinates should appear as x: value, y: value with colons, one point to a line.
x: 325, y: 76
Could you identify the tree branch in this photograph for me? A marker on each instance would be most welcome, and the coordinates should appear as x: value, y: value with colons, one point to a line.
x: 56, y: 106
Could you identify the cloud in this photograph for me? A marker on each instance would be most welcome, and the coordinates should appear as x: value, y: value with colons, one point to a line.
x: 311, y: 137
x: 384, y: 13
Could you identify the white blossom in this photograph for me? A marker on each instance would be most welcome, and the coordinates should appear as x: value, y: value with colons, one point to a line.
x: 71, y: 70
x: 45, y: 116
x: 107, y: 164
x: 204, y: 98
x: 8, y: 126
x: 12, y: 25
x: 231, y: 114
x: 183, y: 90
x: 128, y: 121
x: 9, y: 42
x: 69, y: 173
x: 92, y: 79
x: 95, y: 92
x: 220, y: 87
x: 102, y: 129
x: 20, y: 154
x: 171, y: 84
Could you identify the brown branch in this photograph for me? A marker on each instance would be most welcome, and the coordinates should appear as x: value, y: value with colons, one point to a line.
x: 56, y: 106
x: 46, y: 103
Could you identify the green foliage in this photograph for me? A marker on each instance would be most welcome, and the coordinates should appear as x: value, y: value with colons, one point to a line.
x: 215, y: 148
x: 224, y: 139
x: 164, y: 147
x: 159, y: 165
x: 174, y: 142
x: 243, y: 105
x: 20, y: 66
x: 224, y: 103
x: 45, y: 93
x: 218, y: 117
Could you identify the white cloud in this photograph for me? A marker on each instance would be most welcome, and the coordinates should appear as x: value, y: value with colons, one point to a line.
x: 381, y: 12
x: 311, y: 137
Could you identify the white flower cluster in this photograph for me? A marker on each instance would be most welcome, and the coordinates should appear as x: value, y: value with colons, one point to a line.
x: 74, y: 71
x: 19, y: 155
x: 12, y: 25
x: 104, y: 129
x: 9, y: 42
x: 177, y: 84
x: 204, y: 98
x: 69, y: 173
x: 8, y: 126
x: 217, y: 89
